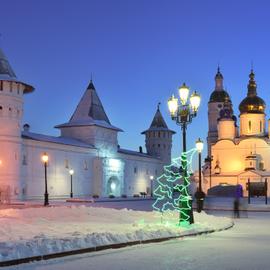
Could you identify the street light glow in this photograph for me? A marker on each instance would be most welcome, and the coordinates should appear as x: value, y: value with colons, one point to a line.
x: 183, y: 93
x: 45, y: 158
x: 195, y: 101
x: 71, y: 172
x: 199, y: 145
x: 173, y: 105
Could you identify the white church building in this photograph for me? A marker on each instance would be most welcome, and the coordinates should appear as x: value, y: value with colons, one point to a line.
x: 88, y: 144
x: 239, y: 153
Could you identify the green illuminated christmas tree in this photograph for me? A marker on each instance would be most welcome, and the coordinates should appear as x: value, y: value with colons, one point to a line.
x: 172, y: 192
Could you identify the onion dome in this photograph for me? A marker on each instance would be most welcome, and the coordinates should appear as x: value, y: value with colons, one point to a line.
x: 227, y: 111
x: 219, y: 94
x: 252, y: 103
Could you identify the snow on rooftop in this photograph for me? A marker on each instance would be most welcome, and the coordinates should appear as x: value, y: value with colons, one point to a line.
x: 52, y: 139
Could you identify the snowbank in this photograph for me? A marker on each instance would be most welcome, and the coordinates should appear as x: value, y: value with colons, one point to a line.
x: 39, y: 231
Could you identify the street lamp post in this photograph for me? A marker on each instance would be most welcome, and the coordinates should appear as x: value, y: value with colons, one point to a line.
x: 183, y: 113
x: 71, y: 172
x: 45, y: 159
x: 151, y: 184
x: 199, y: 194
x: 199, y: 146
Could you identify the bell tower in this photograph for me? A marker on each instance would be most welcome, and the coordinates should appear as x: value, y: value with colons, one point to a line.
x: 158, y: 138
x: 11, y: 112
x: 215, y: 104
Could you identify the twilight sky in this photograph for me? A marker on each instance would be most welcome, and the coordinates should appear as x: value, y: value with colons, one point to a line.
x: 139, y: 53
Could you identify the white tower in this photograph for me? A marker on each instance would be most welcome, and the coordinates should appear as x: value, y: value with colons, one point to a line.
x: 89, y: 123
x: 158, y: 138
x: 252, y: 116
x: 11, y: 112
x: 215, y: 104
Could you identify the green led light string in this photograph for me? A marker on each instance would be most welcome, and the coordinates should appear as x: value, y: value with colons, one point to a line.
x: 171, y: 182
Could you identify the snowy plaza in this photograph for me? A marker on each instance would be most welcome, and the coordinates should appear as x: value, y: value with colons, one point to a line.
x: 61, y: 228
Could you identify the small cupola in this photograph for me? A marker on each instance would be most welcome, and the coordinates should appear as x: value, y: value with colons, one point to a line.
x: 252, y: 103
x: 219, y: 94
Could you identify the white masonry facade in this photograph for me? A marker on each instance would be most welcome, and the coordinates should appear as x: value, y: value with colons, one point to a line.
x: 87, y: 144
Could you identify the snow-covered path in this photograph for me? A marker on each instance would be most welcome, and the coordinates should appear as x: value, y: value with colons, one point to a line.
x: 246, y: 246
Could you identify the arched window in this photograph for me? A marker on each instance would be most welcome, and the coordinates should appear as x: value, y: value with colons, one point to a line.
x: 249, y: 126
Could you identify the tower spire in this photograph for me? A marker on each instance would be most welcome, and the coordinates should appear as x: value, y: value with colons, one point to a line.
x: 218, y: 80
x: 252, y: 86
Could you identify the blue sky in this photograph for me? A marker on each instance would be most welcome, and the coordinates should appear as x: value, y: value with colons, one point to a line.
x: 139, y: 53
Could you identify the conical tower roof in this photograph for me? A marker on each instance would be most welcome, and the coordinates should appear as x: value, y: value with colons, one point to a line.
x: 158, y: 123
x: 89, y: 111
x: 7, y: 73
x: 90, y: 107
x: 6, y: 70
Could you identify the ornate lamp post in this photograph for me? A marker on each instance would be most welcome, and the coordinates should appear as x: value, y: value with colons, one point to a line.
x: 45, y: 159
x: 183, y: 113
x: 71, y: 172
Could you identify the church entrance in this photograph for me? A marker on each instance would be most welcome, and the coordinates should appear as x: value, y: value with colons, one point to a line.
x: 113, y: 186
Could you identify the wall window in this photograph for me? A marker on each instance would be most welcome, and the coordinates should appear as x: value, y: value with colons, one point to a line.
x: 159, y: 134
x: 261, y: 166
x: 10, y: 87
x: 260, y: 126
x: 1, y: 86
x: 135, y: 170
x: 249, y: 126
x: 158, y: 145
x: 85, y: 165
x: 24, y: 160
x: 66, y: 163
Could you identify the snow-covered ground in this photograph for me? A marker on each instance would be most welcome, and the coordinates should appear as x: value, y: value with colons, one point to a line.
x: 36, y: 231
x: 244, y: 247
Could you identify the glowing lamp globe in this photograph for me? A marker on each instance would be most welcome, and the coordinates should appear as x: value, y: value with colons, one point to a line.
x: 183, y: 93
x: 195, y: 101
x: 199, y: 145
x: 71, y: 172
x: 173, y: 105
x: 45, y: 158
